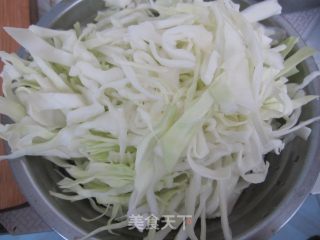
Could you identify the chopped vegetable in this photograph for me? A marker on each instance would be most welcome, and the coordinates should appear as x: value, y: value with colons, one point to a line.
x: 157, y: 108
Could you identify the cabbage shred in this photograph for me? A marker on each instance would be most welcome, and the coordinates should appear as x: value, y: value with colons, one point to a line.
x: 165, y: 107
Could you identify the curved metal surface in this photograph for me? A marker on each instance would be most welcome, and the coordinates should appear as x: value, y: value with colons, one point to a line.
x: 261, y: 210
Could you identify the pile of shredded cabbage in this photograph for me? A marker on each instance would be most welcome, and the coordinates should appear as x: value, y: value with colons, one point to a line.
x: 165, y: 107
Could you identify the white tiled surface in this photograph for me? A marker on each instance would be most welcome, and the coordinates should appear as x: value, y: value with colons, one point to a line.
x: 305, y: 224
x: 36, y: 236
x: 45, y: 5
x: 307, y: 23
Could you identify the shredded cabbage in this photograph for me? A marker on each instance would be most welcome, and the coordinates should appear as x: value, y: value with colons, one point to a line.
x: 159, y: 107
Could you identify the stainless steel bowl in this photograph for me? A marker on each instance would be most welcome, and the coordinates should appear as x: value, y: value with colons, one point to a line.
x: 261, y: 210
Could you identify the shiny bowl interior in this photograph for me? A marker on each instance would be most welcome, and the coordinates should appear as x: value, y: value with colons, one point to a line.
x: 261, y: 210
